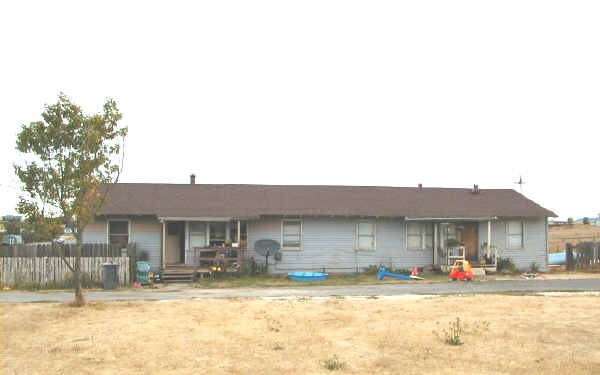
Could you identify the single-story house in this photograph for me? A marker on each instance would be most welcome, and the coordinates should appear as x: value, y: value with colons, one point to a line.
x: 332, y: 228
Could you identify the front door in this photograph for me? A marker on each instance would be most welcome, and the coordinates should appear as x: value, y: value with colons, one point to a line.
x: 470, y: 239
x: 173, y: 241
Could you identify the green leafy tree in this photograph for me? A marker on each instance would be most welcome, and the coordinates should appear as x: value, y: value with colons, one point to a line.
x: 42, y: 229
x: 71, y: 161
x: 13, y: 226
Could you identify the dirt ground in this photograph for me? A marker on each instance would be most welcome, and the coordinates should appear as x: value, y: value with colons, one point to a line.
x: 405, y: 334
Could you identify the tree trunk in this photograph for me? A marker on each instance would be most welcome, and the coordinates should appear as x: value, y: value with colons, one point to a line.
x: 79, y: 299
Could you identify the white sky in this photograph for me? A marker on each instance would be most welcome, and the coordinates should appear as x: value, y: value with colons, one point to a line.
x: 446, y: 93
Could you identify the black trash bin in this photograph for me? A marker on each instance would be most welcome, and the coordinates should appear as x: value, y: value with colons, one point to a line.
x: 110, y: 275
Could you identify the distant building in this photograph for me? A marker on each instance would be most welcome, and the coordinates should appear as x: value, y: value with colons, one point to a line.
x: 12, y: 218
x: 591, y: 220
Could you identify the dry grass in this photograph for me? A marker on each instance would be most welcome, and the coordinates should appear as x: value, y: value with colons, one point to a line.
x: 502, y: 334
x: 558, y: 236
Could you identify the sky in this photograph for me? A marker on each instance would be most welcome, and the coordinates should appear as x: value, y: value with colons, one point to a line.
x: 386, y: 93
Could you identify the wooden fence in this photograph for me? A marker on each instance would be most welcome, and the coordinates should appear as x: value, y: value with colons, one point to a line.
x: 587, y: 258
x: 42, y: 266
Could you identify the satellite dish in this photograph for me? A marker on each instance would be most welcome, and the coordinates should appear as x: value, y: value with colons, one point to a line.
x: 267, y: 248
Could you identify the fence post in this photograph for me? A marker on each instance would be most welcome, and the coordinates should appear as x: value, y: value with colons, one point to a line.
x: 570, y: 262
x: 131, y: 252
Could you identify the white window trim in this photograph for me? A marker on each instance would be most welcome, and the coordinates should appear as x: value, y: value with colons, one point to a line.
x: 301, y: 221
x: 423, y: 235
x: 508, y: 235
x: 188, y: 233
x: 129, y: 236
x: 374, y: 223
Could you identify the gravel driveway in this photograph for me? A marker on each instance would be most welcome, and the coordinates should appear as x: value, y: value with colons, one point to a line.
x: 188, y: 292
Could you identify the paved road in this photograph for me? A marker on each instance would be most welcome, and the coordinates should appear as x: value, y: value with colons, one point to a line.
x: 188, y: 292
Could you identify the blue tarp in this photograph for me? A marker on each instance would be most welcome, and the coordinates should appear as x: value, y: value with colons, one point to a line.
x: 560, y: 258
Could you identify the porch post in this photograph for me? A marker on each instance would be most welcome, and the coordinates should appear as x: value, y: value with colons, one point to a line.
x: 489, y: 239
x: 228, y: 230
x: 239, y: 233
x: 164, y: 243
x: 436, y: 260
x: 207, y: 233
x: 186, y: 233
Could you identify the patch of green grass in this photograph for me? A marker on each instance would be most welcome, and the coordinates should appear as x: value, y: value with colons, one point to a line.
x: 264, y: 281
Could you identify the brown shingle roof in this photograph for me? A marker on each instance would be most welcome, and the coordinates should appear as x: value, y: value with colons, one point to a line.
x: 186, y: 200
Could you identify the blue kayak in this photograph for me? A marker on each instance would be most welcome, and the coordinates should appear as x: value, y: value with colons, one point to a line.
x: 308, y: 276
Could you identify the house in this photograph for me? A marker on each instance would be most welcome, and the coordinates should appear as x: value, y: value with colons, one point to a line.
x: 335, y: 228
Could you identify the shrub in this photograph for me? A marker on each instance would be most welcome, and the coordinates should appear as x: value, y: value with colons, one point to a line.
x: 252, y: 268
x: 506, y: 266
x: 371, y: 270
x: 333, y: 364
x: 374, y: 270
x: 452, y: 336
x: 534, y: 268
x: 453, y: 242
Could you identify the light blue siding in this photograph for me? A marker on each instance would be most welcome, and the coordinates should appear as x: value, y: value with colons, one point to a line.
x: 330, y: 244
x: 144, y: 232
x: 150, y: 243
x: 534, y: 242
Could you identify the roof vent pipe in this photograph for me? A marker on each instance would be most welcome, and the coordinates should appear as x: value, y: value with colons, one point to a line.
x: 420, y: 186
x: 192, y: 179
x: 475, y: 189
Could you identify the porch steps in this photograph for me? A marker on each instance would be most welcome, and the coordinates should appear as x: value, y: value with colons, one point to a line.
x: 181, y: 273
x: 170, y: 278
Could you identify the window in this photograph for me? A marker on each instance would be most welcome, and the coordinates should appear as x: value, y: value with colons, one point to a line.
x: 118, y: 232
x: 366, y: 236
x: 514, y: 230
x: 216, y: 232
x: 420, y: 236
x: 291, y: 234
x: 197, y: 233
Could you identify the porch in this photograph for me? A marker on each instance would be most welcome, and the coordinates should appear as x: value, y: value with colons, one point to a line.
x: 453, y: 239
x: 199, y: 246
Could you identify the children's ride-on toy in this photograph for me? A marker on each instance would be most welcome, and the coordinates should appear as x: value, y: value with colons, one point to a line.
x: 461, y: 271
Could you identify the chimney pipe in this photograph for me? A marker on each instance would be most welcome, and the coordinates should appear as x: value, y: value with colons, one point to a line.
x: 420, y: 186
x: 475, y: 189
x: 192, y: 179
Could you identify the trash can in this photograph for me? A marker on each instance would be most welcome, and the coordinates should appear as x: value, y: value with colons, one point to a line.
x: 110, y: 275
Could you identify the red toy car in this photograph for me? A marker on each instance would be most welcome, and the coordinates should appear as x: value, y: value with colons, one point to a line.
x: 461, y: 271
